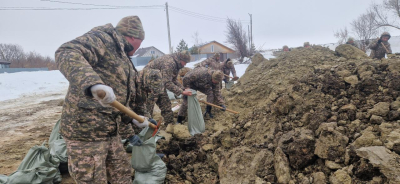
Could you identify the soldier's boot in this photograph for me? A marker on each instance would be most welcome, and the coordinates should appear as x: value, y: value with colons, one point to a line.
x: 208, y: 111
x: 180, y: 119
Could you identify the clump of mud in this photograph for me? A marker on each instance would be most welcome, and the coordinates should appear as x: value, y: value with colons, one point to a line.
x: 309, y: 116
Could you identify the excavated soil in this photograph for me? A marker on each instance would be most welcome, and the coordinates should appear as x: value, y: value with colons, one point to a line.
x: 308, y: 116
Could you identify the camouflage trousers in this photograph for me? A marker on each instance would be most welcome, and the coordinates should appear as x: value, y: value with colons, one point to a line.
x: 164, y: 103
x: 92, y: 162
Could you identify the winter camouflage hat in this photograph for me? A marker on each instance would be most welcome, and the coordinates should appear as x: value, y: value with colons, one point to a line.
x: 306, y: 44
x: 183, y: 71
x: 131, y: 26
x: 350, y: 39
x: 218, y: 76
x: 285, y: 47
x: 385, y: 34
x: 183, y: 56
x: 229, y: 64
x: 216, y: 55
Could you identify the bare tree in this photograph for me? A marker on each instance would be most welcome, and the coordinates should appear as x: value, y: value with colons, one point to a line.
x: 236, y: 36
x: 342, y: 35
x: 11, y: 52
x: 381, y: 17
x: 195, y: 49
x: 365, y: 29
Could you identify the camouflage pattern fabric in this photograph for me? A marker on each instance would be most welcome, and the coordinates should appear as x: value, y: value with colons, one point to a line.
x: 209, y: 63
x: 182, y: 73
x: 377, y: 50
x: 169, y: 67
x: 131, y: 26
x: 152, y: 92
x: 200, y: 79
x: 91, y: 162
x: 352, y: 44
x: 226, y: 68
x: 97, y: 57
x: 182, y: 56
x: 306, y: 44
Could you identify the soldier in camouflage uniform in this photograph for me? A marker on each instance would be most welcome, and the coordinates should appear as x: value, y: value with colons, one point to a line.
x: 212, y: 62
x: 306, y: 45
x: 151, y: 89
x: 169, y: 66
x: 378, y: 51
x: 182, y: 73
x: 206, y: 81
x: 285, y: 48
x: 227, y: 67
x: 350, y: 41
x: 99, y: 61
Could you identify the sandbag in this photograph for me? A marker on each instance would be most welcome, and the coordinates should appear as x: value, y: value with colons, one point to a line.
x: 196, y: 123
x: 229, y: 84
x: 149, y: 168
x: 171, y: 95
x: 57, y: 145
x: 38, y: 166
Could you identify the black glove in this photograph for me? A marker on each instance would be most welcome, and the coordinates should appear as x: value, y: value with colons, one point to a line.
x: 224, y: 107
x: 206, y: 66
x: 135, y: 140
x: 226, y: 80
x: 379, y: 41
x: 153, y: 121
x: 208, y: 111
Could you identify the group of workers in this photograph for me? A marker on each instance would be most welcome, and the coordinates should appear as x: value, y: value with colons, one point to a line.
x: 98, y: 62
x: 379, y: 47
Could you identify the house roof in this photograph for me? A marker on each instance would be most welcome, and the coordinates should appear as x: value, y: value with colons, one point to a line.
x: 141, y: 51
x: 2, y: 61
x: 216, y: 43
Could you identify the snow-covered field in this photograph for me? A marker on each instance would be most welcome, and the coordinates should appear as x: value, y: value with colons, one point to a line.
x: 48, y: 85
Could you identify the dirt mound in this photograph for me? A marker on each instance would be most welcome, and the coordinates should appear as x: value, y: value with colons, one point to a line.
x: 306, y: 116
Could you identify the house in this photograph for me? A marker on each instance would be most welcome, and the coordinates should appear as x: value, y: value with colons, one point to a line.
x: 143, y: 55
x: 213, y: 47
x: 4, y: 64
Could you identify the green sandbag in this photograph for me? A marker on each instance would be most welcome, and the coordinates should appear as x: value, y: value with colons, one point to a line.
x: 38, y: 166
x: 149, y: 168
x: 57, y: 145
x: 195, y: 117
x: 229, y: 84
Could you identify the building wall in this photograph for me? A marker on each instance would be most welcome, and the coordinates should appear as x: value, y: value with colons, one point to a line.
x: 4, y: 65
x: 153, y: 52
x: 217, y: 48
x: 140, y: 61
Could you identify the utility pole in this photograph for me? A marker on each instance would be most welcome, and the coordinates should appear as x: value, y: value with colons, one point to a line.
x: 251, y: 30
x: 169, y: 34
x: 248, y: 33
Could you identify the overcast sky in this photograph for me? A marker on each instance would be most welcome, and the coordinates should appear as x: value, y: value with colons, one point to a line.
x: 275, y: 22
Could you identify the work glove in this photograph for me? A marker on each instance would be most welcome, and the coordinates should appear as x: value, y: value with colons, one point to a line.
x: 206, y: 66
x: 226, y: 80
x: 208, y: 111
x: 109, y: 98
x: 224, y: 107
x: 142, y: 125
x: 135, y: 140
x: 153, y: 121
x: 379, y: 41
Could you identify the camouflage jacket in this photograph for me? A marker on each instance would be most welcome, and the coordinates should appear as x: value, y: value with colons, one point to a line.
x: 97, y: 57
x: 226, y: 70
x: 352, y: 44
x: 200, y: 79
x: 210, y: 62
x: 378, y: 51
x: 169, y: 68
x: 150, y: 86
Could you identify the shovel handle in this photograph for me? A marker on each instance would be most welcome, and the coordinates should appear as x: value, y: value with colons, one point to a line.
x: 216, y: 106
x: 125, y: 110
x: 387, y: 51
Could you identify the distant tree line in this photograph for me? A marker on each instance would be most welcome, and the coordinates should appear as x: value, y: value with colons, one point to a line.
x: 15, y: 54
x: 373, y: 22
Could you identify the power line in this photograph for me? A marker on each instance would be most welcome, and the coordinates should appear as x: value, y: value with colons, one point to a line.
x: 199, y: 15
x: 102, y: 5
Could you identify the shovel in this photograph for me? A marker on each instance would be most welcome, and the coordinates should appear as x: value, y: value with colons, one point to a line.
x: 130, y: 113
x: 387, y: 51
x: 216, y: 106
x: 233, y: 78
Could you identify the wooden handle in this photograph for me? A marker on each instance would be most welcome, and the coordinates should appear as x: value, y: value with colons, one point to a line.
x: 125, y: 110
x: 218, y: 107
x: 387, y: 51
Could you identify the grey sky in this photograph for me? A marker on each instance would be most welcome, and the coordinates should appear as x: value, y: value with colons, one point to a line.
x: 275, y: 22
